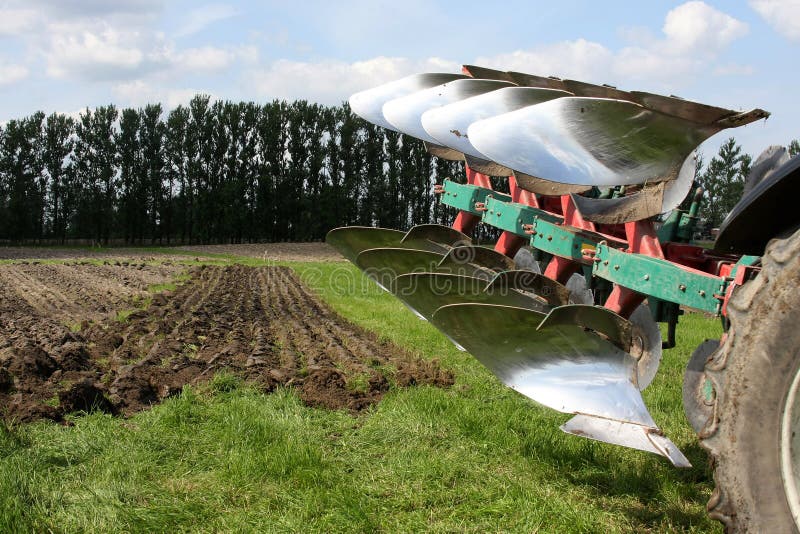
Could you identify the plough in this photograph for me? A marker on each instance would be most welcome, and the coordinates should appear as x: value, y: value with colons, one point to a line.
x: 595, y: 177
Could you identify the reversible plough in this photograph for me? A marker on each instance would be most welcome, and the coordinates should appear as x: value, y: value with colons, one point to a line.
x: 591, y: 169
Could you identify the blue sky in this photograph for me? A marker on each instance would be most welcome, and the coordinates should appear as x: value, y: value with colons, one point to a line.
x: 69, y: 54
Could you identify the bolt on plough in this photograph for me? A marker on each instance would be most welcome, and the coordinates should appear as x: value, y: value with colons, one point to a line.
x: 589, y: 167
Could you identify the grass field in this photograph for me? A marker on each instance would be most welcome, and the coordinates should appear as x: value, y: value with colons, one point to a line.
x: 476, y: 457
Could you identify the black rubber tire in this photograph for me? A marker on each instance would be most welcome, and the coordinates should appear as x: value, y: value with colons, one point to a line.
x: 752, y: 373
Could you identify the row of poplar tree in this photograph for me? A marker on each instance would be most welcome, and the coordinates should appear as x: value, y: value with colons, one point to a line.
x: 215, y: 172
x: 210, y: 172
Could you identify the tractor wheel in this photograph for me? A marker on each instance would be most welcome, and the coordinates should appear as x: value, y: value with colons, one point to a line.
x: 753, y: 434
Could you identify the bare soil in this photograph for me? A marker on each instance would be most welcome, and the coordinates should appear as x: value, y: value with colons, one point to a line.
x: 65, y: 347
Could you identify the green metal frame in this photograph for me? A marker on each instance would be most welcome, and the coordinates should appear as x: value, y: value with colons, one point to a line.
x: 464, y: 196
x: 513, y: 217
x: 660, y: 278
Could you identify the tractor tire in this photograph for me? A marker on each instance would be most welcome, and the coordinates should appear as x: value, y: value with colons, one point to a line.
x: 755, y: 375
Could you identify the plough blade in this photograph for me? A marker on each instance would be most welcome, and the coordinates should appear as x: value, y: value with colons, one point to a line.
x: 448, y: 124
x: 564, y: 367
x: 627, y: 435
x: 594, y: 141
x: 427, y: 292
x: 589, y: 141
x: 530, y: 282
x: 650, y: 200
x: 405, y: 113
x: 617, y: 329
x: 350, y: 241
x: 369, y: 104
x: 385, y: 264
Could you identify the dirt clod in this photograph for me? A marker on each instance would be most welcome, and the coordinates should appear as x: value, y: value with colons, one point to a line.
x: 63, y: 336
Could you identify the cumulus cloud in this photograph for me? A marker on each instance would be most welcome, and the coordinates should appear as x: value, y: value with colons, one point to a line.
x: 107, y: 53
x: 782, y: 15
x: 694, y: 34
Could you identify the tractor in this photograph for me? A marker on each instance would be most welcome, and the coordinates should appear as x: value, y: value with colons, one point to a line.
x: 593, y: 252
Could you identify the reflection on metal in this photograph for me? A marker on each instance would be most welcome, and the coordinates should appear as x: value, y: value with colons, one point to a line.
x: 383, y: 265
x: 349, y: 241
x: 602, y: 320
x: 405, y: 113
x: 650, y: 200
x: 550, y: 290
x: 563, y: 367
x: 448, y: 124
x: 579, y: 292
x: 770, y: 159
x: 427, y: 292
x: 591, y: 141
x: 646, y: 345
x: 486, y: 258
x: 369, y: 104
x: 436, y: 233
x: 698, y: 390
x: 627, y: 435
x: 547, y: 187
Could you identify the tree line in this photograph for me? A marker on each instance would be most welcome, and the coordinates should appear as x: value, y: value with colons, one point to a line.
x: 211, y: 172
x: 225, y: 172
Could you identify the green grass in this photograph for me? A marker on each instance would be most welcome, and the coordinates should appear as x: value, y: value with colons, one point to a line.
x: 473, y: 458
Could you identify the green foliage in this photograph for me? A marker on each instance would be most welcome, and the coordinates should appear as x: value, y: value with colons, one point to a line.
x: 211, y: 172
x: 794, y: 147
x: 723, y: 181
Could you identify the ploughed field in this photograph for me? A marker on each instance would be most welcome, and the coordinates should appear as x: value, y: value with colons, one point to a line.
x: 119, y: 336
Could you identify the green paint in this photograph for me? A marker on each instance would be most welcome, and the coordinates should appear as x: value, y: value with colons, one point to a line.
x: 563, y: 241
x: 464, y: 196
x: 659, y: 278
x: 708, y: 391
x: 511, y: 216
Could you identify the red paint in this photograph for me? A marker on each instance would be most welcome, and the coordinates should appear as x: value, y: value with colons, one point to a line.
x: 509, y: 244
x: 521, y: 196
x: 642, y: 239
x: 623, y: 301
x: 560, y: 269
x: 572, y: 216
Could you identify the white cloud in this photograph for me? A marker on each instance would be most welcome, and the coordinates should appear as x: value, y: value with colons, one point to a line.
x: 208, y: 58
x: 108, y: 53
x: 694, y: 35
x: 10, y: 74
x: 17, y: 21
x: 138, y: 93
x: 568, y: 59
x: 697, y: 28
x: 331, y: 82
x: 202, y: 17
x: 783, y: 15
